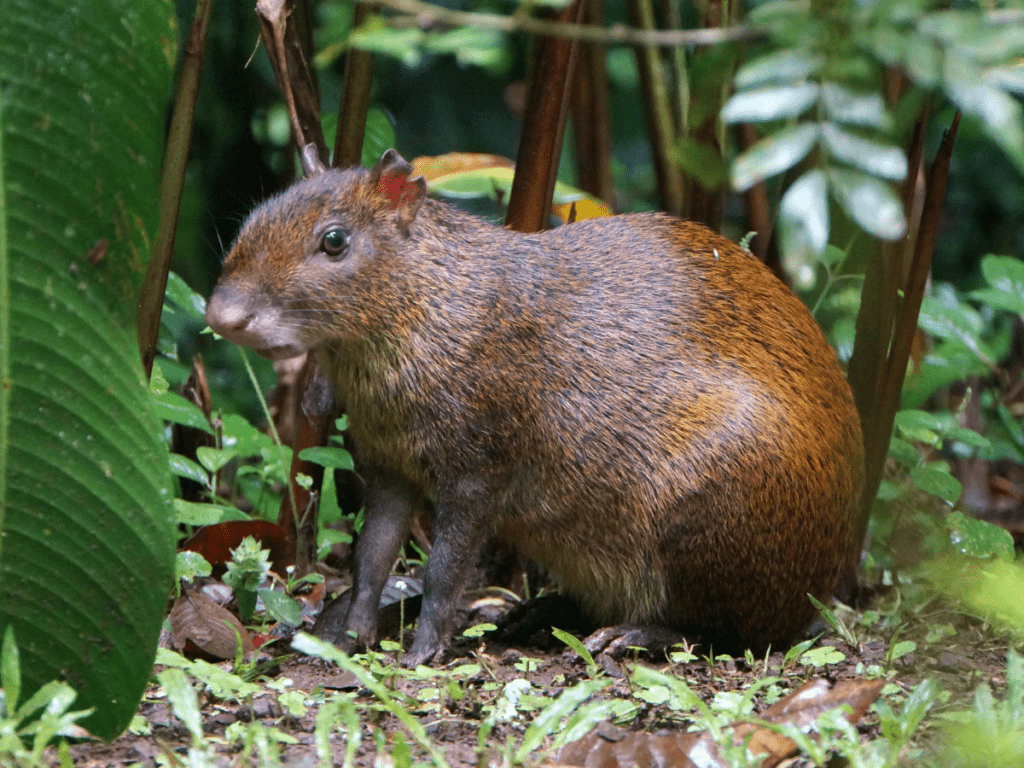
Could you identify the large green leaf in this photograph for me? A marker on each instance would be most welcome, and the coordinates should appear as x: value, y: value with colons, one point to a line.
x: 803, y: 215
x: 873, y: 157
x: 86, y: 549
x: 870, y: 202
x: 772, y: 155
x: 785, y: 66
x: 772, y: 103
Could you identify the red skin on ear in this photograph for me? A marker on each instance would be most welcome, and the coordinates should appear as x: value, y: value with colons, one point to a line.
x: 396, y: 188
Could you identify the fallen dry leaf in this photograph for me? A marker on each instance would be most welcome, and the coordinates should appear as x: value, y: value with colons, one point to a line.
x: 610, y: 747
x: 198, y: 628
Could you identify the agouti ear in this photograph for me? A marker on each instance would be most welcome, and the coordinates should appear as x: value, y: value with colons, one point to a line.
x: 390, y: 178
x: 311, y: 163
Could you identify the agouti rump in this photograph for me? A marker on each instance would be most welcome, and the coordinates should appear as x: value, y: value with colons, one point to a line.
x: 633, y: 402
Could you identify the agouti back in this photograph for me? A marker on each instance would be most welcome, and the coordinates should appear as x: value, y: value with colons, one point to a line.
x: 634, y: 402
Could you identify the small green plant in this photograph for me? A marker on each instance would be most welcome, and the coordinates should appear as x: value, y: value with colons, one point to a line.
x: 569, y: 717
x: 991, y: 733
x: 919, y: 428
x: 798, y: 650
x: 833, y: 620
x: 527, y: 664
x: 263, y: 740
x: 340, y: 711
x: 221, y: 683
x: 479, y: 630
x: 684, y: 654
x: 44, y: 717
x: 898, y: 649
x: 594, y: 671
x: 972, y: 332
x: 185, y: 705
x: 315, y: 647
x: 898, y: 728
x: 653, y: 686
x: 822, y: 656
x: 246, y: 571
x: 187, y: 566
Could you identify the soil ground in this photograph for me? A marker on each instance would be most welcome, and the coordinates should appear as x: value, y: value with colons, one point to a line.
x: 957, y: 652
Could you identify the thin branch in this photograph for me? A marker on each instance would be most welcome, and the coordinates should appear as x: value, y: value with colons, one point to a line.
x: 906, y: 326
x: 172, y: 179
x: 540, y: 147
x: 658, y: 112
x: 422, y: 14
x: 590, y: 115
x: 355, y: 103
x: 425, y: 14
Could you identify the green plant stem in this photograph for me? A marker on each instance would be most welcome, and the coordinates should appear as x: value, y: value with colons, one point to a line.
x: 890, y: 384
x: 172, y: 179
x: 270, y: 420
x: 869, y: 362
x: 309, y: 644
x: 5, y: 334
x: 680, y: 76
x: 920, y: 268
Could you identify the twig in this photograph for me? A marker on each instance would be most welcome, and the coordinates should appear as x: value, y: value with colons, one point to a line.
x: 425, y: 14
x: 295, y: 75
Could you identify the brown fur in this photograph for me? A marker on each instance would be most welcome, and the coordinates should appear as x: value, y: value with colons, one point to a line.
x: 634, y: 402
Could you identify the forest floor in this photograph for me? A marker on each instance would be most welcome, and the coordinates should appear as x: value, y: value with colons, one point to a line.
x: 490, y: 704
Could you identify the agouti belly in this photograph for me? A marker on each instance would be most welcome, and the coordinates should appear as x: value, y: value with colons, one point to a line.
x: 634, y: 402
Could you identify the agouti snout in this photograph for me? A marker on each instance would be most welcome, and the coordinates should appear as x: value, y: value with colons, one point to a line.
x: 633, y: 402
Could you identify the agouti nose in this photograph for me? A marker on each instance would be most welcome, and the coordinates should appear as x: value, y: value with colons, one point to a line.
x: 252, y: 321
x: 227, y: 314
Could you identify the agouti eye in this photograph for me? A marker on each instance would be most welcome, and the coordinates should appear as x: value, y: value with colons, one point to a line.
x: 334, y: 242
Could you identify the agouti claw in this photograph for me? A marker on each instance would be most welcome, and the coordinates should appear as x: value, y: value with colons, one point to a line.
x: 416, y: 656
x: 619, y: 640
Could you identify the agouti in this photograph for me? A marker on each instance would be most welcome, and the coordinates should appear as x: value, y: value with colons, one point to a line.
x: 634, y: 402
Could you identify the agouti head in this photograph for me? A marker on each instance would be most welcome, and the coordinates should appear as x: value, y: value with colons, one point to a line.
x: 304, y: 263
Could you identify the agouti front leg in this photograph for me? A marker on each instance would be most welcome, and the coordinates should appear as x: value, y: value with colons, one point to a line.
x: 458, y: 539
x: 389, y: 505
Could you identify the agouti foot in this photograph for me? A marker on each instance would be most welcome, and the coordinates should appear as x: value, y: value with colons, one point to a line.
x: 428, y: 647
x: 530, y: 622
x: 330, y: 624
x: 619, y: 640
x: 401, y: 600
